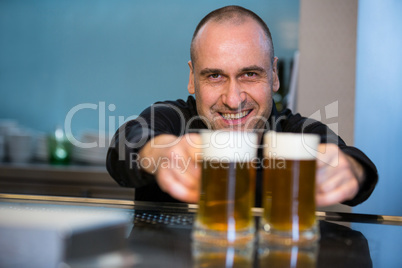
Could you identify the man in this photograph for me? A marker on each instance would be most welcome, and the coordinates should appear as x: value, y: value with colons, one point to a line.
x: 233, y: 74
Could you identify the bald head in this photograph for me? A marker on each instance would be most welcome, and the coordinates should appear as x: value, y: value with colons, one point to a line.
x: 234, y: 15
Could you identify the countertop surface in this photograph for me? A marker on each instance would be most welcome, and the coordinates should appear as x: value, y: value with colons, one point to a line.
x: 159, y: 235
x: 61, y: 180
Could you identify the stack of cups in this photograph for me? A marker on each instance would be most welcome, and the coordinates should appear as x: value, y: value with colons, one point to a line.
x: 20, y: 146
x: 6, y: 126
x: 17, y: 142
x: 2, y: 148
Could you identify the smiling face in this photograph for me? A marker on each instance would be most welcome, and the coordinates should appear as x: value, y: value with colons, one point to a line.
x: 232, y: 76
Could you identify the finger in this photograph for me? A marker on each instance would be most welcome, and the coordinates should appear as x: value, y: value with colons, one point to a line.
x: 185, y: 170
x: 191, y: 175
x: 331, y: 182
x: 337, y: 167
x: 187, y: 162
x: 177, y: 160
x: 327, y: 155
x: 194, y: 141
x: 169, y: 183
x: 324, y: 173
x: 344, y: 192
x: 190, y: 180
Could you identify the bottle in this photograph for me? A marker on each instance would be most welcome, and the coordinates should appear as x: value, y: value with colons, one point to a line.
x: 59, y: 147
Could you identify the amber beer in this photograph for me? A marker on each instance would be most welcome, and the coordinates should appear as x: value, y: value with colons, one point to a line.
x: 280, y: 182
x: 227, y: 186
x: 227, y: 193
x: 291, y: 256
x: 289, y: 185
x: 212, y: 255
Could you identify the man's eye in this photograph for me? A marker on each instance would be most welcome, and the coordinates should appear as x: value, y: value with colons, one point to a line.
x: 250, y: 74
x: 215, y: 76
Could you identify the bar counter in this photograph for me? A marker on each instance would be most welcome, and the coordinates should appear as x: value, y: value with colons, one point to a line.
x: 74, y: 180
x: 159, y: 235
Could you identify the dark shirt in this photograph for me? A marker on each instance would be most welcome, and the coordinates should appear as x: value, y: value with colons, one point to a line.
x: 180, y: 117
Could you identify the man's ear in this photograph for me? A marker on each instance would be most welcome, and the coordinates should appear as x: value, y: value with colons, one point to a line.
x: 275, y: 77
x: 190, y: 86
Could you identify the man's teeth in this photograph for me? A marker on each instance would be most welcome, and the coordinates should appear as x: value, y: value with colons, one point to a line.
x: 235, y: 116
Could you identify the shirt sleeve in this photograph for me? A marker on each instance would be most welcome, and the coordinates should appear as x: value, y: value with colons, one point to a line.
x: 122, y: 157
x: 298, y: 124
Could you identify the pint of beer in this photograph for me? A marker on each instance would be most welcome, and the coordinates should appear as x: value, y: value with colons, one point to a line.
x: 289, y: 187
x: 217, y: 256
x: 227, y: 187
x: 288, y: 256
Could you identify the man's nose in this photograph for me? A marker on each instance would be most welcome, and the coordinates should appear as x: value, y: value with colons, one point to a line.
x: 233, y: 96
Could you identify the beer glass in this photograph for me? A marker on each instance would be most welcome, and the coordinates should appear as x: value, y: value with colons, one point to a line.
x: 227, y: 187
x: 289, y: 165
x: 288, y: 256
x: 215, y: 256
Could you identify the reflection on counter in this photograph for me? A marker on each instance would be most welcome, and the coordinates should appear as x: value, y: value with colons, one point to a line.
x: 288, y: 256
x: 210, y: 255
x: 159, y: 235
x: 166, y: 233
x: 341, y: 246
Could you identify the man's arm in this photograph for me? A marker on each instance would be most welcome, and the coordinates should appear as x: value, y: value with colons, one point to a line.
x: 173, y: 162
x: 122, y: 159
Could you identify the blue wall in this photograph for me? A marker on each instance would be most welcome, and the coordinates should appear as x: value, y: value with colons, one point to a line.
x: 378, y: 122
x: 55, y: 55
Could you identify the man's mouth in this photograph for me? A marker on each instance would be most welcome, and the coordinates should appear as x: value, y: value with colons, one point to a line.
x: 235, y: 116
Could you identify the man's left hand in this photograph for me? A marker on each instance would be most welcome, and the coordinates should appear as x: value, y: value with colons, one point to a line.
x: 338, y: 176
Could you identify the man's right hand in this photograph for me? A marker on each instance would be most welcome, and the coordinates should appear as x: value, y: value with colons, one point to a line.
x: 173, y: 161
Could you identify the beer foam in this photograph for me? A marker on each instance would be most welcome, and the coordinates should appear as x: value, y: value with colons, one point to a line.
x: 229, y: 146
x: 294, y: 146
